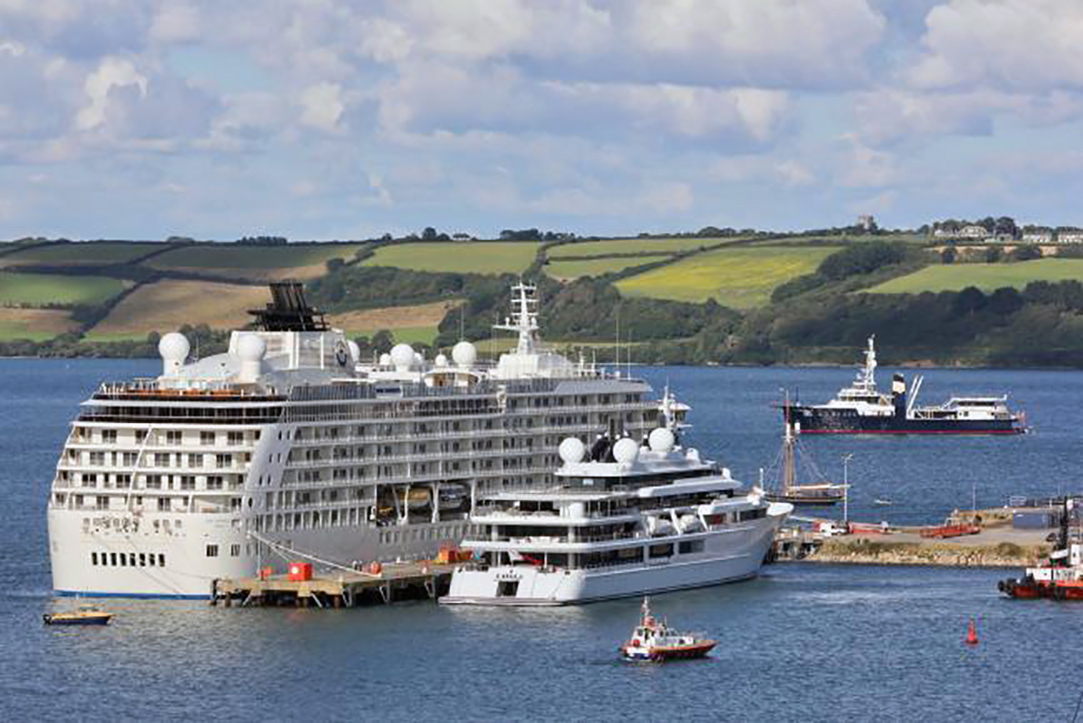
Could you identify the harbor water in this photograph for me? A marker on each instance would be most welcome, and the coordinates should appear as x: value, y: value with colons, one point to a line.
x: 803, y: 642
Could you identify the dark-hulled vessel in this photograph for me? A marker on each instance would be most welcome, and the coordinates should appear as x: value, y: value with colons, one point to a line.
x: 861, y: 409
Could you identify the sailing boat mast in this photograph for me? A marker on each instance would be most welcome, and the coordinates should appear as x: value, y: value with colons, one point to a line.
x: 789, y: 471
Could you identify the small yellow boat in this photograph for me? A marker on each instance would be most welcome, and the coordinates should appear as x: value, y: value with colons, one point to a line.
x: 86, y: 615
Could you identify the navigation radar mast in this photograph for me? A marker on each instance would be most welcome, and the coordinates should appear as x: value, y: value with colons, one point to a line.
x: 524, y: 317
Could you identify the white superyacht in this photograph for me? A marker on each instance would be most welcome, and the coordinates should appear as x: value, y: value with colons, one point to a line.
x: 289, y: 447
x: 622, y: 520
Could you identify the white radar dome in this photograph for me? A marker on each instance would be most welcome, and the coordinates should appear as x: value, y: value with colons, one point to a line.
x: 355, y: 351
x: 464, y: 353
x: 251, y: 348
x: 571, y: 450
x: 402, y: 356
x: 385, y: 360
x: 441, y: 360
x: 174, y: 346
x: 626, y: 450
x: 661, y: 440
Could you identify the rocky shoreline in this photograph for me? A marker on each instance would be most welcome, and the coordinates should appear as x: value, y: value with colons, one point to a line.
x: 860, y: 550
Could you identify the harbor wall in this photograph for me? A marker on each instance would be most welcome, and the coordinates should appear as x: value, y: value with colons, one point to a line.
x: 865, y: 551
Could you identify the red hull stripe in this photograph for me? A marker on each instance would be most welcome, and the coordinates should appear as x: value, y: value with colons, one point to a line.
x: 912, y: 431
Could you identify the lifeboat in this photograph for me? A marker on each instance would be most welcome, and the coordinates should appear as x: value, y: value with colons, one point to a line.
x: 654, y: 642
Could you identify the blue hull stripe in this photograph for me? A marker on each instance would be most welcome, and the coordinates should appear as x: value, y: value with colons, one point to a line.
x: 136, y: 595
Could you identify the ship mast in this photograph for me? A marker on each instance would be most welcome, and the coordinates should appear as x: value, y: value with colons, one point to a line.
x: 789, y: 472
x: 524, y: 318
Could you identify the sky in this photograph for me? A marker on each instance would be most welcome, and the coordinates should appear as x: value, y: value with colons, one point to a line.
x: 326, y: 119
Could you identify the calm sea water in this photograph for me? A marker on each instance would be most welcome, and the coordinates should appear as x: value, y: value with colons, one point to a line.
x: 804, y: 642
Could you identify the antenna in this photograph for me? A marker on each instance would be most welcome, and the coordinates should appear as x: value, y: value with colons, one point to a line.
x: 462, y: 321
x: 616, y: 362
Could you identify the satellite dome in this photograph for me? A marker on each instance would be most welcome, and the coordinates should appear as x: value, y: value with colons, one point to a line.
x: 355, y: 351
x: 418, y: 359
x: 385, y: 360
x: 402, y: 356
x: 661, y: 440
x: 464, y: 353
x: 571, y: 450
x: 441, y: 360
x: 251, y: 348
x: 174, y: 346
x: 626, y: 450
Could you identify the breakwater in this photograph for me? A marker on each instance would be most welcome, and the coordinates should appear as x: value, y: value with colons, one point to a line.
x: 861, y: 550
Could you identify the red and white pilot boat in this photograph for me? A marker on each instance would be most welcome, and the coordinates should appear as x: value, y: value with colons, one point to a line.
x: 653, y: 641
x: 1061, y: 578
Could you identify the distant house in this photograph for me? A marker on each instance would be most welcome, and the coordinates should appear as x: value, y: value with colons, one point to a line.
x: 1038, y: 237
x: 866, y: 221
x: 1070, y: 237
x: 973, y: 232
x: 943, y: 233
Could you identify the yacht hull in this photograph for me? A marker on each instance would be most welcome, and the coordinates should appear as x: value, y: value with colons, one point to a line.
x: 733, y: 555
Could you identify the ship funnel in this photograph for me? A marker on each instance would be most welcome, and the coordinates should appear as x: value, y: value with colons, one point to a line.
x: 174, y: 348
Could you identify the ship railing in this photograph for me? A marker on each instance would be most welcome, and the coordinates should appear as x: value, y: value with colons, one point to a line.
x: 567, y: 429
x: 566, y: 540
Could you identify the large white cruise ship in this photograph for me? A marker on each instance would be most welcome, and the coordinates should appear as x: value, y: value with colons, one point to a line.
x: 621, y: 519
x: 288, y: 442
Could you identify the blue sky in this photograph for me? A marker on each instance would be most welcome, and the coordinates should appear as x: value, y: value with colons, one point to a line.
x: 328, y: 119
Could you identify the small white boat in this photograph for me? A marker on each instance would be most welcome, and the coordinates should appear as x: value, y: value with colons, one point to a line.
x: 653, y: 641
x: 883, y: 502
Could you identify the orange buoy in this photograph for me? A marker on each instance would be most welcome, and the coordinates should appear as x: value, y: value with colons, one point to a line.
x: 971, y: 634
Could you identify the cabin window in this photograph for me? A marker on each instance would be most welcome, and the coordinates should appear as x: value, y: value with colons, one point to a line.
x: 690, y: 546
x: 113, y: 559
x: 235, y: 550
x: 214, y: 482
x: 212, y: 550
x: 142, y: 559
x: 173, y: 437
x: 661, y: 550
x: 236, y: 438
x: 206, y: 439
x: 161, y: 559
x: 150, y: 559
x: 163, y: 504
x: 93, y: 558
x: 507, y: 588
x: 109, y: 436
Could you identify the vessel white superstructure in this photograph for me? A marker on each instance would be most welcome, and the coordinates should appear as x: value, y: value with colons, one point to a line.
x: 288, y: 445
x: 621, y: 519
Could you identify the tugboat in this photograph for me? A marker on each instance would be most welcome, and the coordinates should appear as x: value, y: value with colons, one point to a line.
x: 86, y: 615
x: 654, y: 642
x: 861, y: 409
x: 1061, y: 578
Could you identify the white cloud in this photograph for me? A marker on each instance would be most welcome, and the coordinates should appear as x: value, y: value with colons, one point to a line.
x: 322, y: 106
x: 176, y: 21
x: 1015, y: 45
x: 668, y: 198
x: 112, y: 73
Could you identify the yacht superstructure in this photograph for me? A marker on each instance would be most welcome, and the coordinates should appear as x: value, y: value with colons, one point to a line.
x: 289, y: 442
x: 861, y: 409
x: 622, y: 519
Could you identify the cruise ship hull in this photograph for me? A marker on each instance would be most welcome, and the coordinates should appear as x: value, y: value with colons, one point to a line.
x: 732, y: 556
x: 815, y: 420
x: 114, y: 560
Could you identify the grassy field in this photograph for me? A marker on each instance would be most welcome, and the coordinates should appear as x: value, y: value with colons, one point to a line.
x: 463, y: 258
x: 167, y: 305
x: 302, y: 261
x: 34, y: 324
x: 987, y: 277
x: 740, y: 278
x: 41, y: 289
x: 419, y: 319
x: 79, y: 254
x: 633, y: 246
x: 566, y: 270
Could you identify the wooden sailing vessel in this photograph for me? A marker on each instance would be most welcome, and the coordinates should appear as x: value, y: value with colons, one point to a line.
x: 786, y: 487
